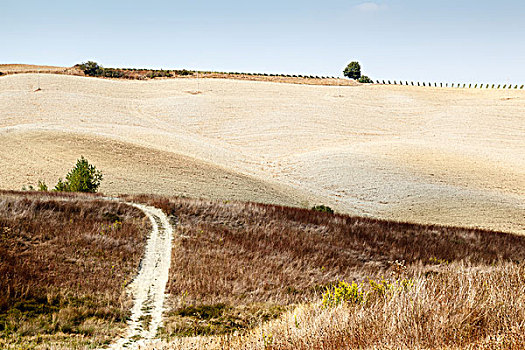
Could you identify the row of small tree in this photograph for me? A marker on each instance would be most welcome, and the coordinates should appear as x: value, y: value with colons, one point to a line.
x: 353, y: 71
x: 453, y: 85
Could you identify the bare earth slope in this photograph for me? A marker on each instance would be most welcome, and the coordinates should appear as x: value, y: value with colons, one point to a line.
x: 448, y: 156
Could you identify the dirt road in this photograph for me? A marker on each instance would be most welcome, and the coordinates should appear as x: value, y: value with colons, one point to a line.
x: 148, y: 288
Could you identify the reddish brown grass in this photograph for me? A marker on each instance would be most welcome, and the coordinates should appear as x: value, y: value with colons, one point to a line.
x: 64, y: 264
x: 243, y: 254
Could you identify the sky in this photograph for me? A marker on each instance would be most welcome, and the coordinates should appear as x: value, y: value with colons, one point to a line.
x: 421, y: 40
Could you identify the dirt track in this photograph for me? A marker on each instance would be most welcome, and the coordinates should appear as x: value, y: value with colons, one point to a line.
x: 449, y: 156
x: 149, y: 287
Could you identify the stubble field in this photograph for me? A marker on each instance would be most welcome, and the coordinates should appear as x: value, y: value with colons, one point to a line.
x: 428, y: 155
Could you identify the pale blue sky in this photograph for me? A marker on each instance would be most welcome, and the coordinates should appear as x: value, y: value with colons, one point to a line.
x: 440, y: 40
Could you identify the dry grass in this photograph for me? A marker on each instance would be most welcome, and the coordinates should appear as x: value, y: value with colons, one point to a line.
x: 64, y: 266
x: 238, y: 264
x: 458, y: 307
x: 251, y: 276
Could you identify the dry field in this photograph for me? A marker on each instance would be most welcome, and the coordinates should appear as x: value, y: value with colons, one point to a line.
x: 251, y: 276
x: 64, y: 264
x: 428, y: 155
x: 31, y: 68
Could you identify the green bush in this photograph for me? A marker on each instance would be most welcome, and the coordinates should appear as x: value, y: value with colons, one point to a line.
x: 111, y: 73
x: 42, y: 187
x: 183, y: 72
x: 352, y: 70
x: 93, y: 69
x: 365, y: 80
x: 323, y: 209
x: 84, y: 177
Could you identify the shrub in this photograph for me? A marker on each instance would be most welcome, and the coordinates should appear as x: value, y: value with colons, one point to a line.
x: 183, y: 72
x: 323, y: 209
x: 359, y: 293
x: 365, y: 80
x: 522, y: 87
x: 112, y: 73
x: 1, y: 73
x: 84, y: 177
x: 343, y: 293
x: 42, y: 187
x: 353, y: 70
x: 91, y: 68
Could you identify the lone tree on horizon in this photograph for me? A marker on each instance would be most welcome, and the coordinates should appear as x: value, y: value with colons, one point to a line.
x: 353, y: 70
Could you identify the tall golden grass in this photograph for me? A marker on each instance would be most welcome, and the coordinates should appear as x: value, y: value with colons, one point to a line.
x: 459, y: 306
x: 466, y: 288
